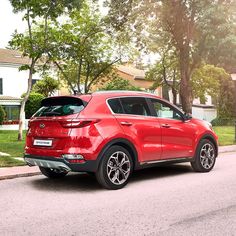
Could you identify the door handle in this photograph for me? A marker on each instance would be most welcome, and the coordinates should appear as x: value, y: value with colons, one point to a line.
x: 165, y: 125
x: 126, y: 123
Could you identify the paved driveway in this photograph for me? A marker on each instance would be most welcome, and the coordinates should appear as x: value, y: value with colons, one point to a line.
x: 159, y: 201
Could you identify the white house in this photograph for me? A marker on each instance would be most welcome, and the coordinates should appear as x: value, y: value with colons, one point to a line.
x: 13, y: 83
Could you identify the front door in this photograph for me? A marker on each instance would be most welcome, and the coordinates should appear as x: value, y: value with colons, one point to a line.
x: 178, y: 136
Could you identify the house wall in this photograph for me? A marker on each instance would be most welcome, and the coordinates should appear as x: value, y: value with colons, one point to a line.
x: 203, y: 113
x: 144, y: 84
x: 14, y: 81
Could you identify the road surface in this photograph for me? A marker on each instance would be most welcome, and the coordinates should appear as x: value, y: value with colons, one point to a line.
x: 159, y: 201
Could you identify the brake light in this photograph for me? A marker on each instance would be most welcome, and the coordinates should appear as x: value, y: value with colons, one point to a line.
x: 78, y: 123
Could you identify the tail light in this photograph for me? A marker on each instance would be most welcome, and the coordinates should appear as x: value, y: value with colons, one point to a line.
x: 78, y: 123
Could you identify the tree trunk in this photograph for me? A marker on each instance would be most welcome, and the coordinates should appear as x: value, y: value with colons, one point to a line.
x: 185, y: 86
x: 22, y: 108
x: 174, y: 93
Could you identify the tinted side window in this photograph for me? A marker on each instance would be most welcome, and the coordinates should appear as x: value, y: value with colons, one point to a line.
x: 115, y: 105
x: 135, y: 106
x: 163, y: 110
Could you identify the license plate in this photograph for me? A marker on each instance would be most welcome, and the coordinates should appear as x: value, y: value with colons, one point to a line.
x: 45, y: 143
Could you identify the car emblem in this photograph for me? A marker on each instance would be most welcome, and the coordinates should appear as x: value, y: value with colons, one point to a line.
x: 42, y: 125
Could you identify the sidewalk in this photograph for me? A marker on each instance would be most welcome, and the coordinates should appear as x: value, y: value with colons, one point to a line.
x: 18, y: 171
x: 25, y: 171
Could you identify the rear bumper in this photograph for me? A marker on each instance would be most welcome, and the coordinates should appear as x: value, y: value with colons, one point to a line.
x: 60, y: 164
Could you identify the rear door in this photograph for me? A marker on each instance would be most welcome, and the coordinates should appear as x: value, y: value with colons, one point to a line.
x: 178, y: 136
x: 133, y: 115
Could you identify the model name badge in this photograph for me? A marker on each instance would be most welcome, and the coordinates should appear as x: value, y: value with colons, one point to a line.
x: 46, y: 143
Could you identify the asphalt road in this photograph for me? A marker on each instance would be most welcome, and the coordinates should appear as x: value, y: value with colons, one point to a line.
x: 159, y: 201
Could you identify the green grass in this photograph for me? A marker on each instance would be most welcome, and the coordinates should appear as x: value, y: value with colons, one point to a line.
x: 10, y: 145
x: 226, y: 135
x: 10, y: 161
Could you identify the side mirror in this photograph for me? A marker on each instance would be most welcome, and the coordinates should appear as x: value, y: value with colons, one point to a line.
x: 187, y: 116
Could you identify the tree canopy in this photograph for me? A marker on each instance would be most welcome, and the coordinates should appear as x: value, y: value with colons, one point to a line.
x: 195, y: 28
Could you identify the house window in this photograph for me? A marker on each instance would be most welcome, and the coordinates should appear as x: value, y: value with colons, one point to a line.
x: 12, y: 112
x: 1, y: 90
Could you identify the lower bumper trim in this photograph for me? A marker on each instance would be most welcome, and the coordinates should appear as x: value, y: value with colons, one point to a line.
x: 47, y: 164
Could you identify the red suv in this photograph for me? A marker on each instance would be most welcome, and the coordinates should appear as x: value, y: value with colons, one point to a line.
x: 113, y: 133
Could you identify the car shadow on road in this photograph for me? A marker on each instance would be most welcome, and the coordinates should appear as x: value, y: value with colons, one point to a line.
x: 84, y: 182
x: 160, y: 172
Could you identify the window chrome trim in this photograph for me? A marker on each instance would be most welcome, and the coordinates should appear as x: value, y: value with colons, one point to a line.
x: 159, y: 99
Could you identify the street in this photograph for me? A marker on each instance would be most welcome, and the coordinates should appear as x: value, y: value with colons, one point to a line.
x: 171, y: 200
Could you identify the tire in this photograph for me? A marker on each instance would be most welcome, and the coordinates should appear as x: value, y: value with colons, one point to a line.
x: 111, y: 173
x: 52, y: 173
x: 205, y: 156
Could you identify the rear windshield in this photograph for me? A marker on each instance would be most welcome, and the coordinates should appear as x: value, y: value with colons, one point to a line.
x: 60, y: 106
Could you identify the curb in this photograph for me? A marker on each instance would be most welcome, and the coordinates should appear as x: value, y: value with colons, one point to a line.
x: 18, y: 171
x: 13, y: 176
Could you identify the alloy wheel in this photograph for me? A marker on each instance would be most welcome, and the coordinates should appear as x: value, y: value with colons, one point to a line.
x: 118, y: 168
x: 207, y: 156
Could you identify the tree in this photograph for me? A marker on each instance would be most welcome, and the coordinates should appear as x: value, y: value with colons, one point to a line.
x: 118, y: 83
x: 33, y: 104
x: 2, y: 115
x: 194, y: 28
x: 34, y: 43
x: 47, y: 86
x: 82, y: 50
x: 214, y: 81
x: 165, y: 72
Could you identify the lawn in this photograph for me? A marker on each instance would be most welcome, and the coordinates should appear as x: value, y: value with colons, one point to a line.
x: 10, y: 145
x: 226, y: 134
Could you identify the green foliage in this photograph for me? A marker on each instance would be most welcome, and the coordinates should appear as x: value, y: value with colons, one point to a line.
x: 198, y: 30
x: 165, y: 72
x: 33, y: 104
x: 223, y: 122
x: 40, y: 8
x: 206, y: 80
x: 47, y: 86
x: 34, y: 42
x: 87, y: 50
x: 2, y: 115
x: 214, y: 81
x: 226, y: 99
x: 118, y: 83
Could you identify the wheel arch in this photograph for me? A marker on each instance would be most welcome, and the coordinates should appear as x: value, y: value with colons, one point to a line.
x: 123, y: 143
x: 211, y: 138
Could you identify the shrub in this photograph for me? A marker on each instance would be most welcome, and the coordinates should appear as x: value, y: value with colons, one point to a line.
x: 2, y: 115
x: 223, y: 122
x: 33, y: 104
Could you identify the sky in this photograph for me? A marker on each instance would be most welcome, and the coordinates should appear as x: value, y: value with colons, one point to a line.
x: 9, y: 22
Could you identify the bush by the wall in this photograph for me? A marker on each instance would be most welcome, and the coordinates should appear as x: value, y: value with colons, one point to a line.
x: 223, y: 122
x: 2, y: 115
x: 33, y: 104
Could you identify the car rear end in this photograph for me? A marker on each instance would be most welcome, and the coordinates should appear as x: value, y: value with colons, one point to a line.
x: 61, y: 135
